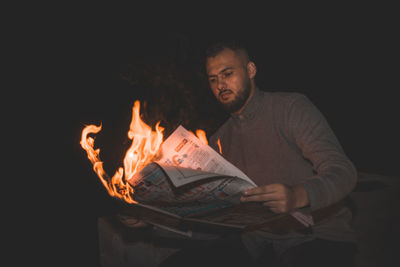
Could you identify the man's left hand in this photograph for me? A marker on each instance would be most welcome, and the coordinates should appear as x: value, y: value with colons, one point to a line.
x: 280, y: 198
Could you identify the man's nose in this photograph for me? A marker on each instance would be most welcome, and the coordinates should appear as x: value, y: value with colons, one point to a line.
x: 221, y: 85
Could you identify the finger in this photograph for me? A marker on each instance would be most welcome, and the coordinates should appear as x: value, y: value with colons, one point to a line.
x: 134, y: 223
x: 262, y: 197
x: 130, y: 220
x: 140, y: 223
x: 260, y: 190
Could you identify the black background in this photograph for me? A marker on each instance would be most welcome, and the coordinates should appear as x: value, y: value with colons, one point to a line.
x: 344, y: 66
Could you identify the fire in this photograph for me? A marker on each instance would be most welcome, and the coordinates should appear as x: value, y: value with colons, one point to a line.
x: 145, y: 146
x: 145, y: 143
x: 202, y: 136
x: 219, y: 146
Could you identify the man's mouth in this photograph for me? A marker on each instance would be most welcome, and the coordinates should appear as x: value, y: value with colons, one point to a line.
x: 225, y: 94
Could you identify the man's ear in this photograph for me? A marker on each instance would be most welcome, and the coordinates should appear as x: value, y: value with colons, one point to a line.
x: 251, y: 69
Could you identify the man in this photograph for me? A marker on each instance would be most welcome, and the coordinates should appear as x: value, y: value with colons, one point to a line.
x: 284, y: 144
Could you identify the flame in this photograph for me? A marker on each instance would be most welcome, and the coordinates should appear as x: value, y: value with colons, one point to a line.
x: 202, y: 136
x: 219, y: 146
x: 145, y: 145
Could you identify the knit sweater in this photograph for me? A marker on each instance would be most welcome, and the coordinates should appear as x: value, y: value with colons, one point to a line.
x: 283, y: 138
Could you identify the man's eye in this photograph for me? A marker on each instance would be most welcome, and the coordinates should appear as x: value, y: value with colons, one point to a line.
x: 212, y: 80
x: 227, y: 74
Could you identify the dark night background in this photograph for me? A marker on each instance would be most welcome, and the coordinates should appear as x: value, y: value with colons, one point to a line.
x: 344, y: 68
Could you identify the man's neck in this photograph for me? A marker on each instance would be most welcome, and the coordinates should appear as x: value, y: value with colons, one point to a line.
x: 252, y: 91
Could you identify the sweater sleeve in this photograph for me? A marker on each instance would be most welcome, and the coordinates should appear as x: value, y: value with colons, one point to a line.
x: 335, y: 175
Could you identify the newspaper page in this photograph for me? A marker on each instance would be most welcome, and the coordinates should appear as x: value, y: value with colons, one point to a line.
x: 202, y: 181
x: 182, y: 148
x: 154, y: 187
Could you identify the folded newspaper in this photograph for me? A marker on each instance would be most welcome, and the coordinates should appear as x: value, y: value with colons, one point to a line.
x: 191, y: 186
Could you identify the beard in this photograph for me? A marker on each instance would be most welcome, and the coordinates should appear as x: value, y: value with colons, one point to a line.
x: 239, y: 100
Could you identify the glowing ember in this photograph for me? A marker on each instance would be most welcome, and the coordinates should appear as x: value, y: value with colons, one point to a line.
x: 145, y: 146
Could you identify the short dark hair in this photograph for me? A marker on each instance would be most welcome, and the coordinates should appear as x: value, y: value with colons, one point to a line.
x: 218, y: 47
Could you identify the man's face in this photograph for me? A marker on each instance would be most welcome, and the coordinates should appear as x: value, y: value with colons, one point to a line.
x: 229, y: 79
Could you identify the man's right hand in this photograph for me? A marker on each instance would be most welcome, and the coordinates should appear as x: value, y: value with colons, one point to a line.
x: 130, y: 221
x: 280, y: 198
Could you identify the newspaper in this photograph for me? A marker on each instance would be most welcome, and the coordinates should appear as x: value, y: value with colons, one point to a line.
x: 191, y: 184
x: 182, y: 148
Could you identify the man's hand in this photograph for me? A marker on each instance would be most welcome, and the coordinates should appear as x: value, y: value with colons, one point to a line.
x: 279, y: 198
x: 130, y: 221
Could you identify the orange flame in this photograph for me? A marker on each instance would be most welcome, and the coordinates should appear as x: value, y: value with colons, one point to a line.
x: 202, y: 136
x: 219, y: 146
x: 145, y: 145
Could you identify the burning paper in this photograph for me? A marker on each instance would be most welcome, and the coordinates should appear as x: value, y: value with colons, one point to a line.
x: 145, y: 145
